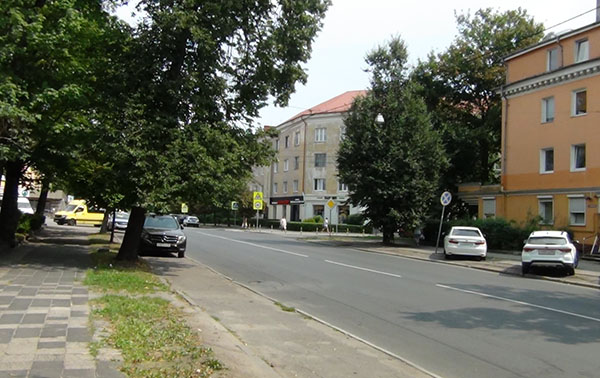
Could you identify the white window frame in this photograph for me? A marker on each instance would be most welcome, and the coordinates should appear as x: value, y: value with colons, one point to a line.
x: 342, y: 187
x: 324, y: 155
x: 543, y: 156
x: 285, y: 188
x: 319, y: 185
x: 286, y: 165
x: 546, y: 118
x: 321, y: 134
x: 549, y: 55
x: 585, y: 55
x: 274, y: 188
x: 542, y: 210
x: 276, y: 144
x: 275, y: 167
x: 297, y: 138
x: 295, y: 186
x: 574, y: 94
x: 580, y: 199
x: 491, y: 203
x: 574, y: 148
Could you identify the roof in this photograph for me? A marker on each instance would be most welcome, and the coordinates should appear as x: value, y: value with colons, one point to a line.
x: 338, y: 104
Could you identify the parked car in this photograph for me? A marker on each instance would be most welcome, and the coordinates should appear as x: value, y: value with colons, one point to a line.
x: 24, y: 205
x: 465, y: 241
x: 550, y: 248
x: 179, y: 217
x: 162, y: 233
x: 191, y: 221
x: 120, y: 222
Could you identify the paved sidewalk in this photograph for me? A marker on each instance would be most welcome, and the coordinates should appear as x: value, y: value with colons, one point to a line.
x: 44, y: 309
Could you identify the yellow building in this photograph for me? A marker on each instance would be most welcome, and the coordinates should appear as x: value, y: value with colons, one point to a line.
x: 550, y: 136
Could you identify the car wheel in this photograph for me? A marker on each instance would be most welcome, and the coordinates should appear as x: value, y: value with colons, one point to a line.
x: 570, y: 270
x: 446, y: 255
x: 482, y: 258
x: 71, y: 222
x: 525, y: 268
x: 181, y: 254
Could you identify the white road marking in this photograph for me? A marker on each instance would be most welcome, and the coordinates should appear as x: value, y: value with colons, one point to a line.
x: 365, y: 269
x: 519, y: 302
x: 255, y: 245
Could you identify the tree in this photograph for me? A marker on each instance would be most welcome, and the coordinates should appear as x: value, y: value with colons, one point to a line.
x: 391, y: 167
x: 460, y: 88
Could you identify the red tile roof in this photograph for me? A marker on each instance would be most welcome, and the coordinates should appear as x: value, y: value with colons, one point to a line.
x: 338, y: 104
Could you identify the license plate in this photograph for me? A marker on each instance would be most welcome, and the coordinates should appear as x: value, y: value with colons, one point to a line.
x: 166, y: 245
x: 546, y: 252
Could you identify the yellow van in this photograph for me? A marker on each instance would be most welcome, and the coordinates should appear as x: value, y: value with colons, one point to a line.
x: 77, y: 212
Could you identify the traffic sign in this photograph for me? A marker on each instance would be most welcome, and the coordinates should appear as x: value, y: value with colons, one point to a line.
x: 446, y: 198
x: 258, y: 205
x: 235, y: 205
x: 257, y: 196
x: 331, y: 203
x: 184, y: 208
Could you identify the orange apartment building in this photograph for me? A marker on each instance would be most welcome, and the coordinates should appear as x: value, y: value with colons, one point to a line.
x: 550, y: 136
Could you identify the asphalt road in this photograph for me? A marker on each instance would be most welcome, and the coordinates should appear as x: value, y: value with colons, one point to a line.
x: 453, y: 321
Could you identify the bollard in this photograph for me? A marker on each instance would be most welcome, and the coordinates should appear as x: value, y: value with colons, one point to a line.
x: 347, y: 231
x: 271, y: 228
x: 300, y: 231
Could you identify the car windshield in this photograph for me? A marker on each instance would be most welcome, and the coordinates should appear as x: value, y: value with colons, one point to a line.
x: 23, y: 205
x: 161, y: 222
x: 193, y: 219
x: 463, y: 232
x: 547, y: 240
x: 71, y: 207
x: 122, y: 215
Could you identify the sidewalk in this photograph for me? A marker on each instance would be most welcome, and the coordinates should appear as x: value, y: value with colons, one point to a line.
x: 44, y: 309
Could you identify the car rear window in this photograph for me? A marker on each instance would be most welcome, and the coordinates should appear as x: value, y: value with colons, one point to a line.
x: 460, y: 232
x: 161, y: 222
x: 547, y: 240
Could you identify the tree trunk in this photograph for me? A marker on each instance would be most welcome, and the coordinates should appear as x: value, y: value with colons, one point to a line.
x: 41, y: 205
x: 103, y: 227
x: 131, y: 241
x: 9, y: 214
x: 388, y: 235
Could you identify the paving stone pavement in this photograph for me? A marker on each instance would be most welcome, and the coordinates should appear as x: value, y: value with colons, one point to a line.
x: 44, y: 310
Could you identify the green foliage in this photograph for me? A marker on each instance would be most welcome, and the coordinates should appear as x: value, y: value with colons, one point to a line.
x: 357, y: 219
x: 392, y: 168
x: 30, y: 222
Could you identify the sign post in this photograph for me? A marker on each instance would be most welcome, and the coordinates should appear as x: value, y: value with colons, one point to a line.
x: 331, y: 205
x: 445, y: 200
x: 234, y: 207
x: 257, y: 204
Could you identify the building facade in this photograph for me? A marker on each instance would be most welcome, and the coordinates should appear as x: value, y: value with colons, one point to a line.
x: 550, y: 136
x: 304, y: 179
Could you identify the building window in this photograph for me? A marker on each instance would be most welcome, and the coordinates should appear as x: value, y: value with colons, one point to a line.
x: 276, y: 144
x: 489, y: 207
x: 320, y: 184
x: 579, y: 102
x: 342, y: 132
x: 275, y: 167
x: 578, y: 157
x: 342, y: 187
x: 296, y: 162
x: 320, y: 160
x: 297, y: 138
x: 552, y: 62
x: 286, y: 165
x: 295, y: 186
x: 321, y: 135
x: 577, y: 211
x: 547, y: 160
x: 274, y: 188
x: 285, y: 186
x: 287, y: 141
x: 548, y: 109
x: 318, y: 210
x: 546, y: 210
x: 582, y: 49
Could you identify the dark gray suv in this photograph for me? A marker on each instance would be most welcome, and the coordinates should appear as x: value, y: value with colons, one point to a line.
x: 162, y: 233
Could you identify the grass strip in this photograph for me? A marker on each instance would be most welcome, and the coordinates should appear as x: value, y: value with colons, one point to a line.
x: 153, y: 340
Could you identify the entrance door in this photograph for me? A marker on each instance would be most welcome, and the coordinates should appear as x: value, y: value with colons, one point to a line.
x: 295, y: 213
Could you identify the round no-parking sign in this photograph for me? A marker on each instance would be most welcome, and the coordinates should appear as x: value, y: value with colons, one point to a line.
x: 446, y: 198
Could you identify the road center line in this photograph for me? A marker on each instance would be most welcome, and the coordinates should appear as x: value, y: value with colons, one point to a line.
x: 365, y: 269
x: 519, y: 302
x: 255, y: 245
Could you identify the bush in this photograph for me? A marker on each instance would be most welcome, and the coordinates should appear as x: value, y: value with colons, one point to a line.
x: 500, y: 233
x: 355, y: 219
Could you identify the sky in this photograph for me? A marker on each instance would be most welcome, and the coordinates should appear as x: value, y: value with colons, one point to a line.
x: 352, y: 28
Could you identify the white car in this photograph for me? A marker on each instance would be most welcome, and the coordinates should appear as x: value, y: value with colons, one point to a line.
x: 549, y: 248
x: 465, y: 241
x: 24, y: 205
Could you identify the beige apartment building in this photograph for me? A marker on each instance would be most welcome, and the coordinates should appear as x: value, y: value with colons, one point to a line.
x: 304, y: 178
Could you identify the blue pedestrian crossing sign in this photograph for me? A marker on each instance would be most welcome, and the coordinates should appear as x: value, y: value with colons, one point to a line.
x: 446, y: 198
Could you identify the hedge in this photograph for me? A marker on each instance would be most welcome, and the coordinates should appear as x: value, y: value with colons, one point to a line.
x: 311, y: 226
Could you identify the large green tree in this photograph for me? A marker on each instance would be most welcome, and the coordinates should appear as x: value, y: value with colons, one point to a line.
x: 391, y: 165
x: 460, y: 87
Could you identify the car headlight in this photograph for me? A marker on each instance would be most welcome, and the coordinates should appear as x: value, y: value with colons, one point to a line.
x: 180, y: 239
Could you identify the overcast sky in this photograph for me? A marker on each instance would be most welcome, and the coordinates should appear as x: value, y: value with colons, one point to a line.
x: 354, y: 27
